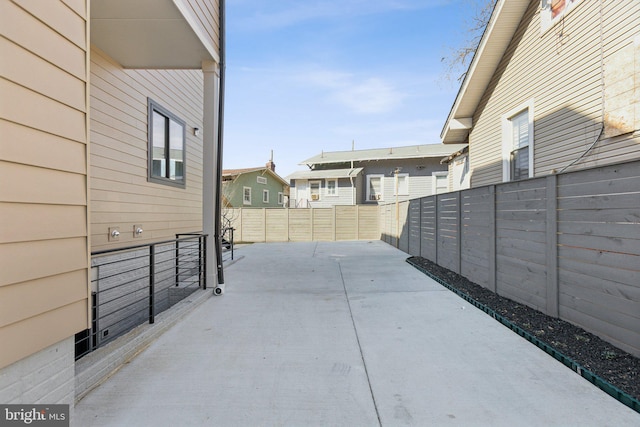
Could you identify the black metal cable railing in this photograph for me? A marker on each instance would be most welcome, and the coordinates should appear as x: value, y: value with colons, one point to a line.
x: 131, y: 285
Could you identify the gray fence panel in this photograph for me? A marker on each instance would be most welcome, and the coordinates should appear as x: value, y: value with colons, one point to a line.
x: 414, y: 227
x: 477, y: 235
x: 599, y: 251
x: 447, y: 220
x: 521, y: 261
x: 428, y: 228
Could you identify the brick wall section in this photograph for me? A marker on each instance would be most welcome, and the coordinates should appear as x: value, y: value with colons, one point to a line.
x: 45, y: 377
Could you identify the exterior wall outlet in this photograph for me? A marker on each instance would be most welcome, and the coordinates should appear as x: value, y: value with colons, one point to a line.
x: 137, y: 230
x: 114, y: 234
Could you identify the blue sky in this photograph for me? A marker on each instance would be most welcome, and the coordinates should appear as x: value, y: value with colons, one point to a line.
x: 310, y: 75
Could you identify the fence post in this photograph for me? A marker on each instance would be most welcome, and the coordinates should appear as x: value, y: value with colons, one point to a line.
x: 492, y: 240
x: 459, y: 232
x: 436, y: 229
x: 152, y: 274
x: 552, y: 246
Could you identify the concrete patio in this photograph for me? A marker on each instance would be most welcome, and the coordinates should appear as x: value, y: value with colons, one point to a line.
x: 342, y: 334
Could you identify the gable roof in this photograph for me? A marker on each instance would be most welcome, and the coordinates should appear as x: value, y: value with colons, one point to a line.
x: 494, y: 42
x: 232, y: 173
x: 391, y: 153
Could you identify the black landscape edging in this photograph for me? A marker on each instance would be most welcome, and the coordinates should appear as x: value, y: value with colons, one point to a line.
x: 599, y: 382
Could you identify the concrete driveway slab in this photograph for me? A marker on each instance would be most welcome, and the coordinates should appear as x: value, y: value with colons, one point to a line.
x: 342, y: 334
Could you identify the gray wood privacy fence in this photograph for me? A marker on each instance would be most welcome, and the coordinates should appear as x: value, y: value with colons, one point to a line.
x: 300, y: 225
x: 567, y: 245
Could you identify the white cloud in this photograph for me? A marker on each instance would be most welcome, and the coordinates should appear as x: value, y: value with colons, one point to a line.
x: 369, y: 95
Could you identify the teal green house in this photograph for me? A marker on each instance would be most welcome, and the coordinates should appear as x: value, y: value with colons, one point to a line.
x: 257, y: 187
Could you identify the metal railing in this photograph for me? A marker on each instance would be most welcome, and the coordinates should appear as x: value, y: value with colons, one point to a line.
x: 131, y: 285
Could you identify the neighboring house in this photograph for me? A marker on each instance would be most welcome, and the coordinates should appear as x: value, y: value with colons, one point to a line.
x: 554, y: 86
x: 257, y: 187
x: 371, y: 176
x: 109, y: 122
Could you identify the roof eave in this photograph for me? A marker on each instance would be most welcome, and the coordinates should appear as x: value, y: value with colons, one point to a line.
x: 494, y: 42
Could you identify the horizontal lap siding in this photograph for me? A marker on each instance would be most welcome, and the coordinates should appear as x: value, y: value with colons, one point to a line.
x: 477, y: 237
x: 121, y: 196
x: 520, y: 260
x: 567, y: 96
x: 599, y: 251
x: 43, y: 155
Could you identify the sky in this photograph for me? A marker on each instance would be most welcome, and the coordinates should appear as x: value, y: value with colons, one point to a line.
x: 306, y: 76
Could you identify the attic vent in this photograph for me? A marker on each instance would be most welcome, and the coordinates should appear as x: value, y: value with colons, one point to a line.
x: 262, y: 180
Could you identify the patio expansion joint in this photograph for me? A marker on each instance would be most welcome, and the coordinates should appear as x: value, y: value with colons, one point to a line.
x: 355, y: 330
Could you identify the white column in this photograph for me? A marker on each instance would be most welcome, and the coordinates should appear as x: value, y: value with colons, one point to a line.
x: 211, y: 74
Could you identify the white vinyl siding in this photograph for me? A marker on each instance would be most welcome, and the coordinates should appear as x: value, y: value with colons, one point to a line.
x: 563, y: 73
x: 403, y: 185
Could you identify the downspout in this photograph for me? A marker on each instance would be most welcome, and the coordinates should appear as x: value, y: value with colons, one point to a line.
x: 218, y: 204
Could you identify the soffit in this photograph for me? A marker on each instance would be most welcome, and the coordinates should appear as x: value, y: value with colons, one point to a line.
x: 150, y: 34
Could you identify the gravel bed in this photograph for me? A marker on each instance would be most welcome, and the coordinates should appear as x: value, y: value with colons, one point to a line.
x: 615, y: 366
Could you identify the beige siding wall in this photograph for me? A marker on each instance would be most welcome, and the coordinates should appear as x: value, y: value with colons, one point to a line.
x: 121, y: 197
x: 561, y: 70
x: 43, y: 165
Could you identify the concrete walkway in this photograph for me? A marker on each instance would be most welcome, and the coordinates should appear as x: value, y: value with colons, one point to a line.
x: 342, y: 334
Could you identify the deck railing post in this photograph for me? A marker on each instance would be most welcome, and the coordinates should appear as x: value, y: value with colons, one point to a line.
x: 152, y: 274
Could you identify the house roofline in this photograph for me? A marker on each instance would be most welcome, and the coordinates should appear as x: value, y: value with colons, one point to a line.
x: 502, y: 25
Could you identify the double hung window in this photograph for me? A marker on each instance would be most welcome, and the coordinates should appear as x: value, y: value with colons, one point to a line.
x: 374, y: 187
x: 517, y: 143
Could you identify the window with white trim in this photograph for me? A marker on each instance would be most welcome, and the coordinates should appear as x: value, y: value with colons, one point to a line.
x: 166, y: 134
x: 265, y: 196
x: 332, y: 187
x: 280, y: 198
x: 314, y: 190
x: 374, y: 187
x: 517, y: 143
x: 246, y: 195
x: 261, y: 180
x: 440, y: 182
x: 403, y: 185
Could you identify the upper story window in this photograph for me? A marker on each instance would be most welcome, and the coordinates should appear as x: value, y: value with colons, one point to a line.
x: 246, y: 195
x: 265, y: 196
x: 517, y: 143
x: 261, y: 180
x: 374, y: 187
x: 166, y: 133
x: 553, y: 10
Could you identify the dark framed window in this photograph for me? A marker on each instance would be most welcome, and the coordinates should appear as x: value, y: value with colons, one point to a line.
x: 167, y: 149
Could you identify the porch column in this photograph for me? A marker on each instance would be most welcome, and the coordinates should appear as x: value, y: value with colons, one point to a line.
x: 211, y: 74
